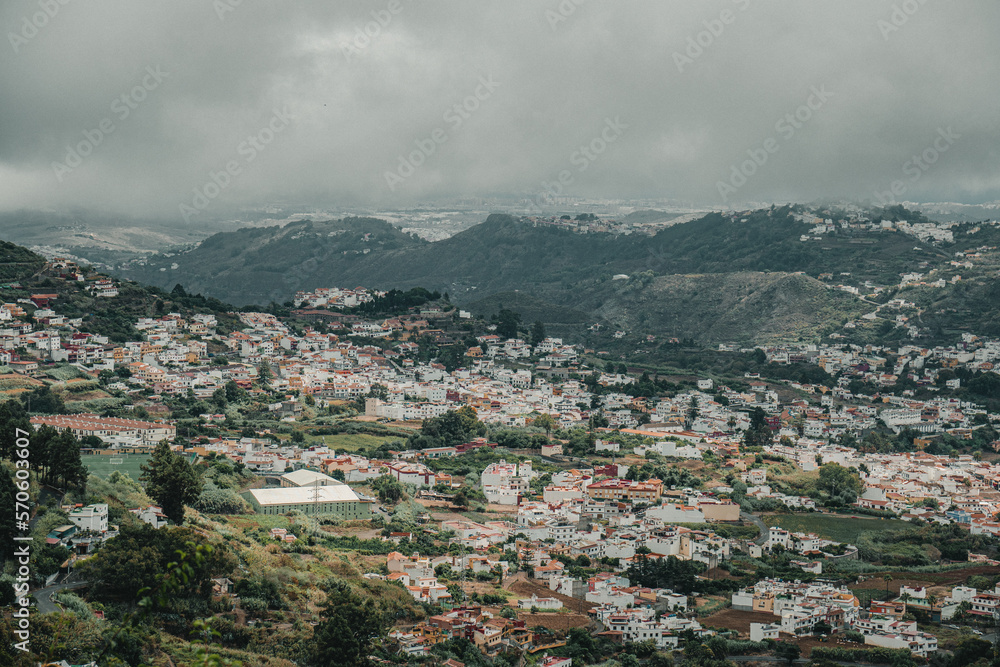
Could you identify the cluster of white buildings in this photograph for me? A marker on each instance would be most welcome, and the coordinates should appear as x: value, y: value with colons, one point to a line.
x: 639, y: 624
x: 506, y: 483
x: 336, y: 297
x: 417, y: 573
x: 572, y: 526
x: 800, y: 607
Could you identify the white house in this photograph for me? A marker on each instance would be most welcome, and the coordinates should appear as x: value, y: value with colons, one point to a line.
x: 152, y: 515
x: 539, y: 603
x: 761, y: 631
x: 92, y: 517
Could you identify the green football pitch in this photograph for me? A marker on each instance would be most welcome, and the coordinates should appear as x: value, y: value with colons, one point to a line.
x: 127, y: 463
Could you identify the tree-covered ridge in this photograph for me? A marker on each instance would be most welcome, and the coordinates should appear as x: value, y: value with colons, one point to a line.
x: 505, y: 253
x: 18, y: 263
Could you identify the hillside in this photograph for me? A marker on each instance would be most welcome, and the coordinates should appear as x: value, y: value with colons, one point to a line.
x: 739, y: 307
x: 529, y: 307
x: 265, y: 264
x: 26, y: 273
x: 504, y: 253
x: 258, y: 265
x: 17, y: 263
x: 712, y: 274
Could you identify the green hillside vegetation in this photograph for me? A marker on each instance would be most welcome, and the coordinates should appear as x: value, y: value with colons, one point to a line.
x: 265, y: 264
x: 838, y: 528
x: 702, y: 279
x: 504, y: 253
x: 529, y: 307
x: 18, y: 263
x: 116, y: 317
x: 972, y: 304
x: 745, y: 306
x: 768, y: 240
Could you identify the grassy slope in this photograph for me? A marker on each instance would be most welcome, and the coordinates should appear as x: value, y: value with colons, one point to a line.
x: 838, y: 528
x: 727, y: 306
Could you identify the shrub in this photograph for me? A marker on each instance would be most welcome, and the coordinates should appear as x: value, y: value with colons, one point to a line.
x: 74, y: 604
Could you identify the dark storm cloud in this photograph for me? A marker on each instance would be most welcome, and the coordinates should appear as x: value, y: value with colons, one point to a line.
x: 385, y: 102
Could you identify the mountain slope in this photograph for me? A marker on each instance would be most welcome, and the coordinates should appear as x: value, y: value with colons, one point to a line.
x: 18, y: 263
x: 272, y: 263
x: 712, y: 278
x: 739, y: 307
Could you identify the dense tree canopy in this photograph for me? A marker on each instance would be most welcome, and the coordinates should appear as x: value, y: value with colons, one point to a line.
x: 842, y: 484
x: 759, y: 434
x: 453, y: 428
x: 508, y: 323
x: 670, y: 572
x: 349, y: 628
x: 171, y: 481
x: 130, y: 561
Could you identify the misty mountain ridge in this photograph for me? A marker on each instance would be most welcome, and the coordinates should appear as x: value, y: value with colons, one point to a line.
x: 738, y: 275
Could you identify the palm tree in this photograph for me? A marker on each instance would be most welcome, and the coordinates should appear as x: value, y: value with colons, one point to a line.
x: 905, y: 597
x: 887, y: 578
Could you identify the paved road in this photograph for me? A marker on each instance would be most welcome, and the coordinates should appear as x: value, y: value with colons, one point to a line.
x: 764, y: 530
x: 43, y: 596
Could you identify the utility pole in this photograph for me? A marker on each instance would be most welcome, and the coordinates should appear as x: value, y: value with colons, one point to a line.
x: 316, y: 499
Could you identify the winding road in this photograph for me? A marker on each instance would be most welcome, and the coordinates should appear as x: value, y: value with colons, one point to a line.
x: 43, y: 596
x: 756, y: 520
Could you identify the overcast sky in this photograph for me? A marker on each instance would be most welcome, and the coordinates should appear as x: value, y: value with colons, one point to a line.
x: 667, y: 97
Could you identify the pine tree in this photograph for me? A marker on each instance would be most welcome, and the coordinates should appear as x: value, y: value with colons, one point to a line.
x: 170, y: 481
x: 537, y: 333
x: 12, y: 417
x: 65, y: 464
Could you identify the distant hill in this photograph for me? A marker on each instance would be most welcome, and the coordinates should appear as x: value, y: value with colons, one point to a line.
x: 650, y: 215
x: 101, y: 237
x: 711, y: 274
x: 503, y: 254
x: 266, y: 264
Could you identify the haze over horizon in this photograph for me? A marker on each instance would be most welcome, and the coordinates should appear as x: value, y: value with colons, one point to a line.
x: 149, y: 108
